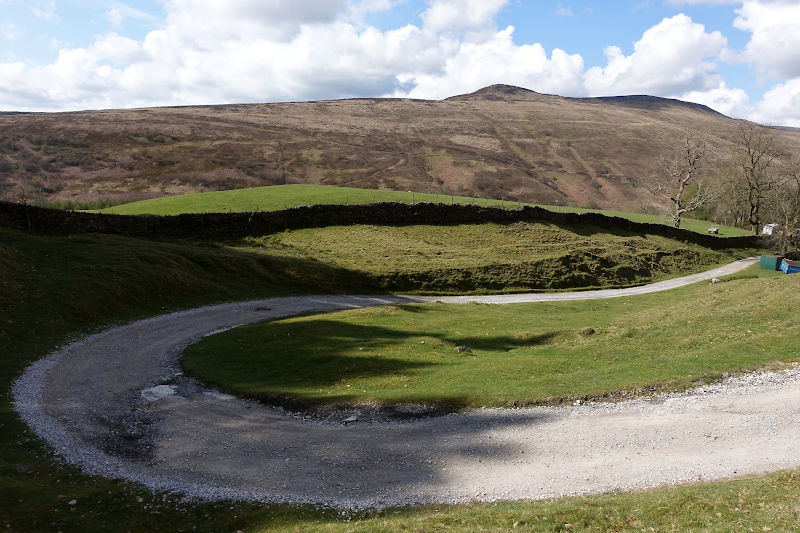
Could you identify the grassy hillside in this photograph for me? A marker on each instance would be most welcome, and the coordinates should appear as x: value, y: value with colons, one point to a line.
x: 500, y: 142
x: 54, y: 288
x: 522, y: 354
x: 494, y: 257
x: 286, y: 196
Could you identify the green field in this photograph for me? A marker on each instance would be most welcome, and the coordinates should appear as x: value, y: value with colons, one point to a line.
x: 519, y: 256
x: 286, y: 196
x: 55, y: 289
x: 523, y: 354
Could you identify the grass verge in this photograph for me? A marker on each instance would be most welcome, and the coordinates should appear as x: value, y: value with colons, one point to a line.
x: 766, y: 504
x: 285, y: 196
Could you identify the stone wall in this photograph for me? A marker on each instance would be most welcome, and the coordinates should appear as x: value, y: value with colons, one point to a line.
x: 232, y: 225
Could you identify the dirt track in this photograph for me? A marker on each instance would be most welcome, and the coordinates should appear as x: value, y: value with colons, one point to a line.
x: 115, y: 404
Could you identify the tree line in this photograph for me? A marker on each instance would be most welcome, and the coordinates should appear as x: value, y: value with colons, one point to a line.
x: 762, y: 185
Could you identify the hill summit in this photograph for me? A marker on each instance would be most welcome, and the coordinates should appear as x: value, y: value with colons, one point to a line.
x: 499, y: 92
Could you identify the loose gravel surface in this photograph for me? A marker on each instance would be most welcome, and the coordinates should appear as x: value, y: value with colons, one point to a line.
x: 117, y: 405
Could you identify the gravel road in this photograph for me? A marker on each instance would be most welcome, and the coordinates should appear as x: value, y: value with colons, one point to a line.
x: 116, y: 405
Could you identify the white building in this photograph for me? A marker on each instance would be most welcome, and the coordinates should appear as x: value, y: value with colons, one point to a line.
x: 768, y: 229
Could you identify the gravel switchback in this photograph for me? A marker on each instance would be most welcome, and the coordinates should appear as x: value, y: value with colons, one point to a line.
x: 116, y: 404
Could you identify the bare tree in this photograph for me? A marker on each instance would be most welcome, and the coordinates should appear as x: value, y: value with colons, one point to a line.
x: 784, y: 208
x: 26, y: 191
x: 756, y: 168
x: 730, y: 206
x: 679, y: 178
x: 5, y: 189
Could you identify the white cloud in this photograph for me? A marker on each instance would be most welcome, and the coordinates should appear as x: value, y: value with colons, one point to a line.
x: 119, y: 12
x: 774, y: 46
x: 458, y: 15
x: 673, y: 57
x: 10, y: 32
x: 248, y: 50
x: 564, y: 11
x: 197, y: 21
x: 117, y: 49
x: 730, y: 102
x: 116, y: 17
x: 780, y: 106
x: 499, y: 60
x: 44, y: 9
x: 361, y: 8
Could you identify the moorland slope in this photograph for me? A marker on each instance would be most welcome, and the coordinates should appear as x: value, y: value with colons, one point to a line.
x: 499, y: 142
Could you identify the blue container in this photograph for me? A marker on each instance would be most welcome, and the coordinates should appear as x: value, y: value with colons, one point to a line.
x: 790, y: 267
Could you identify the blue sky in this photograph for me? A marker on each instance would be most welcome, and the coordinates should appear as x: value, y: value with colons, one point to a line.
x: 740, y: 57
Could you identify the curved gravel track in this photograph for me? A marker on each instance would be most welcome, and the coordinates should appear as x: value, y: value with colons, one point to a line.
x: 116, y: 405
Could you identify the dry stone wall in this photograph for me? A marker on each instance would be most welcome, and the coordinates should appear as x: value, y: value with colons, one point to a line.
x: 232, y: 225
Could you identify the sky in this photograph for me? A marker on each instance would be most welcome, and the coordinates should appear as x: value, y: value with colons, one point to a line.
x: 739, y: 57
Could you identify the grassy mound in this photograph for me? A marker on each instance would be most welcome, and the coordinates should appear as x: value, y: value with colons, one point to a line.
x: 521, y: 256
x: 520, y: 354
x: 284, y: 196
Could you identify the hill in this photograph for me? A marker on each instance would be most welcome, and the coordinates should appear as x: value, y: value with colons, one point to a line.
x: 499, y: 142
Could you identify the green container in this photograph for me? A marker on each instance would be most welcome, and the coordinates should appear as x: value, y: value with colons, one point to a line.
x: 771, y: 262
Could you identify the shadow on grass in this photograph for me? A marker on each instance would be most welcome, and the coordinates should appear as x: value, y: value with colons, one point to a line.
x: 305, y: 363
x: 503, y: 343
